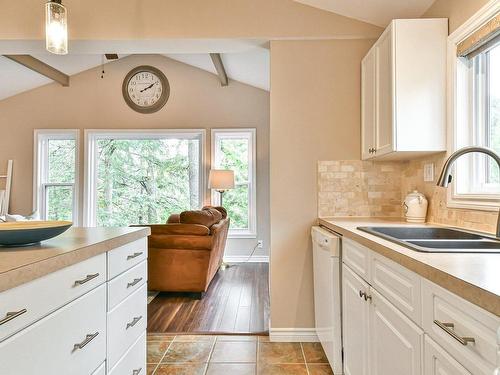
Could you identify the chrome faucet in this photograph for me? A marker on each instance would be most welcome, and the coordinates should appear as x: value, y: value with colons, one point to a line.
x: 445, y: 177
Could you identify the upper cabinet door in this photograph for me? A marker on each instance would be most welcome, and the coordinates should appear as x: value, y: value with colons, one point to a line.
x: 403, y: 84
x: 395, y: 341
x: 355, y: 311
x: 368, y: 103
x: 384, y: 95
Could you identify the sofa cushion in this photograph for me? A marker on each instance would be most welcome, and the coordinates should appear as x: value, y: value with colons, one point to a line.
x: 208, y: 216
x: 221, y: 209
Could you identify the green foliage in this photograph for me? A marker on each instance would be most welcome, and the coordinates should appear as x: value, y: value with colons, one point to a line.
x: 235, y: 157
x: 144, y: 181
x: 61, y: 162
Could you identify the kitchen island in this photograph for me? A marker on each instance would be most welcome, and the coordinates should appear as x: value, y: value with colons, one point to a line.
x: 75, y: 304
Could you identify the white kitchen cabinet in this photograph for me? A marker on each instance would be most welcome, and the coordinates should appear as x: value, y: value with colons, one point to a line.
x: 396, y: 322
x: 72, y: 340
x: 82, y: 319
x: 395, y: 341
x: 438, y: 362
x: 403, y: 106
x: 368, y: 104
x: 355, y: 319
x: 378, y: 338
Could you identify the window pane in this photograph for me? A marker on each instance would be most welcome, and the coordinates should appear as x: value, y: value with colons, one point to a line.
x: 59, y: 204
x: 236, y: 202
x: 494, y: 111
x: 144, y: 181
x: 234, y: 156
x: 61, y: 160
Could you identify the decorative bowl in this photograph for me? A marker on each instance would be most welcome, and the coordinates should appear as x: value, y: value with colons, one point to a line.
x: 23, y: 233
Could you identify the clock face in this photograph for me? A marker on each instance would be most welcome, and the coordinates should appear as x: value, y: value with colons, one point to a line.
x: 146, y: 89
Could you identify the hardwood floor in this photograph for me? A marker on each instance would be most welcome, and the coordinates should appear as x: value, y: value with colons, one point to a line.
x: 236, y: 302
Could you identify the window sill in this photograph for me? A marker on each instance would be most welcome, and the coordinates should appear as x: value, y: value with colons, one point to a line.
x: 485, y: 204
x: 240, y: 236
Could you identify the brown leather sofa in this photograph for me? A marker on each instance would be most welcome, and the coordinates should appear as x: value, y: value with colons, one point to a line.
x: 186, y: 253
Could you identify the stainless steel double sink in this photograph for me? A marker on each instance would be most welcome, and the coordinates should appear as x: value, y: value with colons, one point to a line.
x: 437, y: 239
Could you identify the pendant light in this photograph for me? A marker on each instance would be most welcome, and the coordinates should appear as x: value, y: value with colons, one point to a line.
x: 56, y: 28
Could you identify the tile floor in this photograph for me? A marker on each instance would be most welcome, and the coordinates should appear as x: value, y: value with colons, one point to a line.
x: 232, y: 355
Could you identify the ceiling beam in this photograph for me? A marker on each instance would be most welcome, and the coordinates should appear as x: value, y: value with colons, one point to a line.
x: 40, y: 67
x: 219, y: 67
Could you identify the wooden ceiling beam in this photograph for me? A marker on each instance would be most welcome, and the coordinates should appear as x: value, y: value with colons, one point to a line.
x: 40, y: 67
x: 219, y: 67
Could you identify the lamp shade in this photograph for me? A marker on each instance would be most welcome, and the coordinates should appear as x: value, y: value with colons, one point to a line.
x: 221, y: 179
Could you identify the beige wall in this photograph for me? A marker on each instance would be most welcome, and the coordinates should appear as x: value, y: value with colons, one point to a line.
x: 157, y: 19
x: 457, y: 11
x: 196, y: 101
x: 315, y: 115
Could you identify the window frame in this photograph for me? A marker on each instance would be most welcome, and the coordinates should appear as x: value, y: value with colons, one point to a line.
x: 40, y: 169
x: 461, y: 131
x: 90, y: 170
x: 251, y: 135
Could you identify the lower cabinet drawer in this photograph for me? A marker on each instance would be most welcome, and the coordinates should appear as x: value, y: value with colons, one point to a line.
x: 462, y: 329
x: 72, y: 340
x: 357, y: 257
x: 122, y: 286
x: 133, y: 362
x: 438, y: 362
x: 125, y: 257
x: 126, y: 322
x: 399, y: 285
x: 32, y: 301
x: 101, y: 370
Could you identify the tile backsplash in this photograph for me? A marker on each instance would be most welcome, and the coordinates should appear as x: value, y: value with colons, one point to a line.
x: 366, y: 188
x: 359, y: 188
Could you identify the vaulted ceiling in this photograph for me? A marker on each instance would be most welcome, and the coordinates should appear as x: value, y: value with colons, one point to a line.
x: 377, y: 12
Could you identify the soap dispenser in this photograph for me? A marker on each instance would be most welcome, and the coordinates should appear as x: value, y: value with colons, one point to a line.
x: 415, y: 207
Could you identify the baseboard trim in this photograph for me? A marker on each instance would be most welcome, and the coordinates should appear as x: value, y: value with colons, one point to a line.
x: 243, y: 258
x: 293, y: 335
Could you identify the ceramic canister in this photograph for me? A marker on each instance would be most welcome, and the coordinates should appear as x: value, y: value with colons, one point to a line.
x: 415, y: 207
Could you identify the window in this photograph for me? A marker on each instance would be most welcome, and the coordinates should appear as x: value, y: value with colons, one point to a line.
x: 56, y: 174
x: 476, y: 116
x: 141, y: 177
x: 235, y: 149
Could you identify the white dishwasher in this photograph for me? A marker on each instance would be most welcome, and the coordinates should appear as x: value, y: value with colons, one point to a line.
x: 327, y: 294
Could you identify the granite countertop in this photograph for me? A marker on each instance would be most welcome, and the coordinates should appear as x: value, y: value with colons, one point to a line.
x: 473, y: 276
x: 19, y: 265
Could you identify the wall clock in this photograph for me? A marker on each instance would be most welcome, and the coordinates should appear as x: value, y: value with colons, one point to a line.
x: 145, y: 89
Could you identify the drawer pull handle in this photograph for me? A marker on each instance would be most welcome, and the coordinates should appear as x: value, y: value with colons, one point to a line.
x: 133, y: 322
x: 12, y: 315
x: 137, y: 372
x: 84, y: 343
x: 362, y: 295
x: 87, y: 279
x: 134, y: 282
x: 448, y: 328
x: 134, y: 255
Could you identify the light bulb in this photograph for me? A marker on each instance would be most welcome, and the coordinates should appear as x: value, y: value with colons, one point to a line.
x: 56, y: 28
